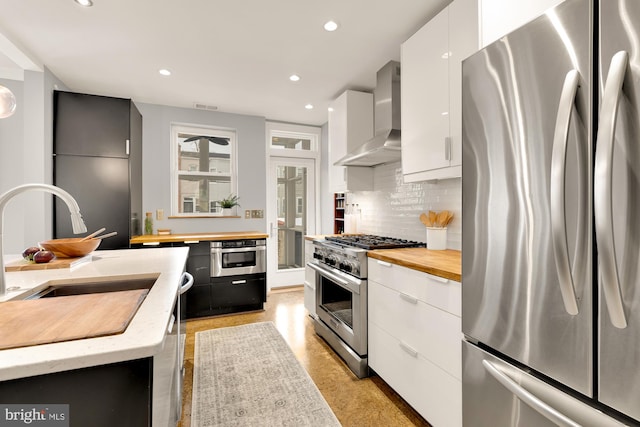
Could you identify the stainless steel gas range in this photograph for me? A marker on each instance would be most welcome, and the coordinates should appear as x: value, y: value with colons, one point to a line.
x: 340, y: 264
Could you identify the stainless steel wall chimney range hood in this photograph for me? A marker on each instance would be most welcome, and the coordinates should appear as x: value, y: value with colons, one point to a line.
x: 384, y: 147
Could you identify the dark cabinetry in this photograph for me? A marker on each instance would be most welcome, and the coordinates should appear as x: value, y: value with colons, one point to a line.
x: 236, y: 294
x: 211, y: 296
x: 119, y: 394
x: 97, y: 146
x: 197, y: 300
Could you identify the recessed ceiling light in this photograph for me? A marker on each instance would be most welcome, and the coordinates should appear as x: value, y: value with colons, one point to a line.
x: 309, y: 107
x: 331, y: 26
x: 294, y: 77
x: 85, y: 3
x: 330, y: 109
x: 164, y: 72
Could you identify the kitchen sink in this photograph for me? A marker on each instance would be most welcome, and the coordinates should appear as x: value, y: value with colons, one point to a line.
x: 60, y: 288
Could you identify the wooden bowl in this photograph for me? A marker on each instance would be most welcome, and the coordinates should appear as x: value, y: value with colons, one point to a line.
x: 71, y: 247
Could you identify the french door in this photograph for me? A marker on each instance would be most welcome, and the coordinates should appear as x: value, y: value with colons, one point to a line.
x: 290, y: 216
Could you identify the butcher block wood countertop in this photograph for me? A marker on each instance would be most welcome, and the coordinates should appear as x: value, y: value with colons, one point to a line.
x: 447, y: 263
x: 143, y: 337
x: 164, y: 238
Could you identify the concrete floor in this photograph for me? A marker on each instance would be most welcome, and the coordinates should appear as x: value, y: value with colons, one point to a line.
x: 366, y: 402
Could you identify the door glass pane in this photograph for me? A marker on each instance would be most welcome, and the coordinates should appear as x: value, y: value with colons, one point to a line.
x: 292, y: 214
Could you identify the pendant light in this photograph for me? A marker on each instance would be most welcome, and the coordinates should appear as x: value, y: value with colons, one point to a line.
x: 7, y: 102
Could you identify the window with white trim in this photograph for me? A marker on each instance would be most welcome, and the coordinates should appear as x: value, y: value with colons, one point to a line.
x: 204, y: 169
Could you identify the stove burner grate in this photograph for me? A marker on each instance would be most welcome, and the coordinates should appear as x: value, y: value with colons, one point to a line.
x: 367, y: 241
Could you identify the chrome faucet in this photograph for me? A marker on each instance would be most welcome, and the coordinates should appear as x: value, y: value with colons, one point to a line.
x: 76, y: 218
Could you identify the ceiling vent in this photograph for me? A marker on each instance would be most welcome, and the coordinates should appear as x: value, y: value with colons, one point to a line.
x: 200, y: 106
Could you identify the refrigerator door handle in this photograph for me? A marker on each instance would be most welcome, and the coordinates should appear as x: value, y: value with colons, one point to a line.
x: 531, y: 400
x: 603, y: 201
x: 557, y: 190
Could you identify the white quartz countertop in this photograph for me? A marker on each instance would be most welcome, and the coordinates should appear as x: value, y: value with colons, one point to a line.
x: 144, y: 337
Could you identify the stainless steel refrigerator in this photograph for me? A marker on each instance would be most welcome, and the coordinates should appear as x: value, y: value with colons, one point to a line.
x: 551, y: 221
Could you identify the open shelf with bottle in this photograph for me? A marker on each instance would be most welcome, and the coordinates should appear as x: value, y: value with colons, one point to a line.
x: 338, y: 213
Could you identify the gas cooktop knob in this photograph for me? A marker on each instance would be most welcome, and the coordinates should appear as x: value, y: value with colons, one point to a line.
x: 346, y: 266
x: 331, y: 260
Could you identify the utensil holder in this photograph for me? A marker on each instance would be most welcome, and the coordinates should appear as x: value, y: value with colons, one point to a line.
x: 436, y: 238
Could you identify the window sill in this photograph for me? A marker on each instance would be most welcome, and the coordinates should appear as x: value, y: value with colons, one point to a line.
x: 202, y: 216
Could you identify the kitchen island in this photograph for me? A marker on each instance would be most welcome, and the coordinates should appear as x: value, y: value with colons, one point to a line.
x: 134, y: 353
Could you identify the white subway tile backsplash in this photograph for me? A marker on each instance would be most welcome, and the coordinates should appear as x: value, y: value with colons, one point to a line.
x: 393, y: 208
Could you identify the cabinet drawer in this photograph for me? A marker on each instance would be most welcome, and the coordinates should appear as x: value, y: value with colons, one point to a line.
x: 310, y: 299
x: 434, y: 333
x: 238, y: 291
x: 437, y: 291
x: 435, y: 394
x: 310, y: 277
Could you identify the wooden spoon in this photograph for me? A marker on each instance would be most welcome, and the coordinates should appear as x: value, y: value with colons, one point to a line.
x: 449, y: 218
x: 104, y: 236
x: 442, y: 218
x: 425, y: 219
x: 95, y: 233
x: 432, y: 217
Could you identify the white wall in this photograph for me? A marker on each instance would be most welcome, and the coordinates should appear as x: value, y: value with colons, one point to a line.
x: 26, y: 147
x: 500, y: 17
x: 11, y: 173
x: 156, y: 166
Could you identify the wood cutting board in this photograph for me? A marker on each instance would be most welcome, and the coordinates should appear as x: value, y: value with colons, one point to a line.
x: 47, y: 320
x: 24, y: 265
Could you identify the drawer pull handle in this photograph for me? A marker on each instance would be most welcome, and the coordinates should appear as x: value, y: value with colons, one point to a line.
x: 172, y: 322
x: 409, y: 298
x: 408, y: 349
x: 384, y: 263
x: 438, y: 278
x: 238, y: 282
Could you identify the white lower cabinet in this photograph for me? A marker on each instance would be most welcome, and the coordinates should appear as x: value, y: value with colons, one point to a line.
x: 309, y: 280
x: 415, y: 339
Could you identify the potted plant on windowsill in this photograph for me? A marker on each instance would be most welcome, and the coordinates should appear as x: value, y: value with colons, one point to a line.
x: 228, y: 203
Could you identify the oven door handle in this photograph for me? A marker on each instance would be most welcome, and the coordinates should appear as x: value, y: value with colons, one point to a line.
x: 350, y: 286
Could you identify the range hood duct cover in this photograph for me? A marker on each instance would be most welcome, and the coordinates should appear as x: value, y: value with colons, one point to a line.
x: 384, y: 147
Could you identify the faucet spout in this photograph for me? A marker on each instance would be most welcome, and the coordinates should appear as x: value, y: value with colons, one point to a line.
x: 74, y: 210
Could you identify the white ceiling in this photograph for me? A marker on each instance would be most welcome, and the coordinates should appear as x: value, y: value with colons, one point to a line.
x: 236, y: 55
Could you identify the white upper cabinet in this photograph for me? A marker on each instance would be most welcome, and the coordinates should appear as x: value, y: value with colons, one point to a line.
x: 350, y: 124
x: 499, y: 17
x: 431, y: 92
